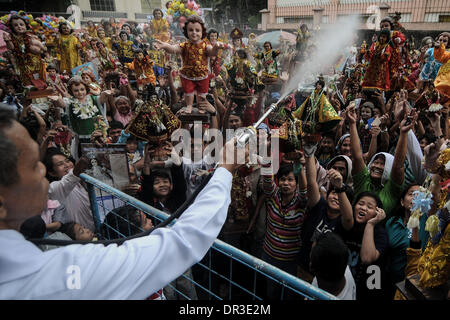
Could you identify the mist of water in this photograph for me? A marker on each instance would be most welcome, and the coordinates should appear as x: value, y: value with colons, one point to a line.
x: 330, y: 44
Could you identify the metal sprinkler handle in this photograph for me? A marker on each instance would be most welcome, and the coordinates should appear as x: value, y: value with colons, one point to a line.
x: 250, y: 131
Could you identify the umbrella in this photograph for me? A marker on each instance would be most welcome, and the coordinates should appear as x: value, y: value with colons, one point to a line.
x: 275, y: 36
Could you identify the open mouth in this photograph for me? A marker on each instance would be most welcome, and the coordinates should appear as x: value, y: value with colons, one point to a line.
x: 361, y: 214
x: 377, y: 172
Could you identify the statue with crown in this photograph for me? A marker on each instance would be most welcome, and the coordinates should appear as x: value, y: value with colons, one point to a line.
x: 154, y: 121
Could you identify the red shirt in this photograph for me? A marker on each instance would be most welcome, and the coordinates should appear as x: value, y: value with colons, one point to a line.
x: 195, y: 60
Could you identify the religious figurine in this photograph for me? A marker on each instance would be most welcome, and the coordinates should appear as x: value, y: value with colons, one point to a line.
x: 154, y: 122
x: 142, y: 65
x: 242, y: 75
x: 68, y: 46
x: 92, y: 29
x: 103, y: 38
x: 89, y: 79
x: 442, y: 81
x: 26, y: 49
x: 316, y: 112
x: 377, y: 75
x: 108, y: 61
x: 396, y: 42
x: 159, y: 26
x: 55, y: 81
x: 236, y: 40
x: 159, y: 59
x: 125, y: 47
x: 195, y: 53
x: 216, y: 61
x: 301, y: 40
x: 269, y: 63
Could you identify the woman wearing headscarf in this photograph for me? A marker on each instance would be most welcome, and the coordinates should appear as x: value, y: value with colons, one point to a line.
x: 384, y: 174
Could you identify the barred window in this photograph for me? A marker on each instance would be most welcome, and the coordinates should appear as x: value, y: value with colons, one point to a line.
x: 444, y: 18
x: 103, y: 5
x: 149, y: 5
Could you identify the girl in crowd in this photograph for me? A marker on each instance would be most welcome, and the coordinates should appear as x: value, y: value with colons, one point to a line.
x: 367, y: 241
x: 399, y: 234
x: 67, y: 187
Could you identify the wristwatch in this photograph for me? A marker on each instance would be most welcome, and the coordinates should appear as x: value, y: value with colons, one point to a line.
x: 342, y: 189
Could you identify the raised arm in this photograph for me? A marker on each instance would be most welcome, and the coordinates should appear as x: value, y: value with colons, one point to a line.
x: 302, y: 183
x: 398, y: 170
x: 226, y: 117
x: 59, y: 190
x: 337, y: 183
x: 212, y: 51
x: 358, y: 160
x: 369, y: 253
x: 166, y: 47
x: 374, y: 132
x: 312, y: 192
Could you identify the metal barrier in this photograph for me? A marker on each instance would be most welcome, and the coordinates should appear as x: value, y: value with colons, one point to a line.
x: 224, y: 273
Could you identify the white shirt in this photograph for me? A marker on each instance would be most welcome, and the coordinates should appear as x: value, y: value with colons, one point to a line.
x: 133, y: 270
x: 349, y: 291
x: 75, y: 198
x: 192, y: 171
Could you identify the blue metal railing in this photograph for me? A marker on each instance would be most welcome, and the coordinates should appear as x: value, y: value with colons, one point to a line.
x: 104, y: 198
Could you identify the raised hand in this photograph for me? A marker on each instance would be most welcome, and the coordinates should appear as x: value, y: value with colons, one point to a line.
x: 335, y: 178
x: 375, y: 131
x: 6, y: 36
x: 351, y: 115
x: 81, y: 166
x: 408, y: 121
x: 384, y: 120
x: 431, y: 154
x: 158, y: 44
x: 380, y: 215
x: 97, y: 138
x: 434, y: 118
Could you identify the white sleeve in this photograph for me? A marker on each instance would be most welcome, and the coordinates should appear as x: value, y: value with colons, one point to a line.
x: 59, y: 190
x: 144, y: 265
x: 414, y: 155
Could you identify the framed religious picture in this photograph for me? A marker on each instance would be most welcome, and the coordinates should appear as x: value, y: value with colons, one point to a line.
x: 109, y: 164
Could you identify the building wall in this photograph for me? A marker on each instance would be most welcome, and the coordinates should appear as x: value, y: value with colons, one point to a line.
x: 416, y: 14
x: 125, y: 9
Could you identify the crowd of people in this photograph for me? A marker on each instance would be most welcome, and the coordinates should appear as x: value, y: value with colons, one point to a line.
x: 363, y: 177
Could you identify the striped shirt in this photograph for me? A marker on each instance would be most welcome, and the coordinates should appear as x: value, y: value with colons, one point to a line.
x: 284, y: 223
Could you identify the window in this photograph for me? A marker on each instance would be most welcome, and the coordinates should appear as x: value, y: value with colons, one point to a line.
x: 405, y: 18
x: 444, y: 18
x: 102, y: 5
x: 297, y: 20
x: 431, y: 17
x: 301, y: 3
x: 147, y: 6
